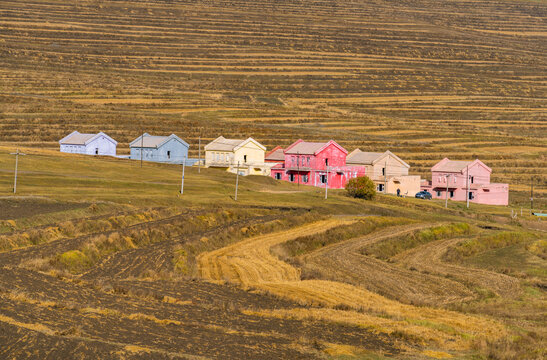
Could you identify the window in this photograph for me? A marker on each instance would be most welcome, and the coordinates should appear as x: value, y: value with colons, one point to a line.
x: 471, y: 196
x: 323, y: 179
x: 383, y: 171
x: 278, y: 176
x: 308, y: 161
x: 439, y: 193
x: 451, y: 193
x: 244, y: 158
x: 380, y: 187
x: 291, y: 177
x: 326, y: 162
x: 472, y: 179
x: 96, y: 151
x: 168, y: 154
x: 305, y: 178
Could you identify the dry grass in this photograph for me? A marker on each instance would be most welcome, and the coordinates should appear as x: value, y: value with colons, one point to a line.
x: 250, y: 264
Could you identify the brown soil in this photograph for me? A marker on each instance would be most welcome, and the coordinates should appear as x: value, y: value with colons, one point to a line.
x: 16, y: 208
x: 108, y: 313
x: 344, y: 262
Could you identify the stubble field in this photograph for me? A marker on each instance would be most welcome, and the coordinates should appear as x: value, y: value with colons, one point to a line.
x: 424, y: 79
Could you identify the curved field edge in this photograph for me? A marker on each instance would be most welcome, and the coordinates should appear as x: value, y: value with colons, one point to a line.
x: 249, y: 263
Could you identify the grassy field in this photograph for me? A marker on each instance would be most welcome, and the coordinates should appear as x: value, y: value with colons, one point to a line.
x: 423, y: 79
x: 103, y: 258
x: 106, y: 259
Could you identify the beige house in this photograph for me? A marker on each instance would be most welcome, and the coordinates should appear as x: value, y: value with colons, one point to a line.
x: 233, y: 154
x: 387, y: 170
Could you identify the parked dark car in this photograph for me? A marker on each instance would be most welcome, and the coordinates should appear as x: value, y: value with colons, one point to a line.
x: 423, y: 195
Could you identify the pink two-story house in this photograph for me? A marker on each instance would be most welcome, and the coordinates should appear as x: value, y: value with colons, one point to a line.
x: 316, y: 163
x: 458, y: 176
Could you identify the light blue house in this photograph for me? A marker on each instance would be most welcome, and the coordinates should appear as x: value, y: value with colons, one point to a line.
x: 169, y: 149
x: 88, y: 144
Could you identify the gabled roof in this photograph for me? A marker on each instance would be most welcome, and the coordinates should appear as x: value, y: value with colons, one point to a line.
x: 370, y: 158
x: 311, y: 148
x: 77, y: 138
x: 150, y: 141
x: 447, y: 165
x: 277, y: 154
x: 223, y: 144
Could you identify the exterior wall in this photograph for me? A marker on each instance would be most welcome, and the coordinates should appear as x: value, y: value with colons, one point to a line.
x: 258, y: 169
x: 394, y: 168
x: 408, y: 185
x: 103, y: 145
x: 337, y: 177
x: 249, y: 154
x: 495, y: 194
x: 74, y: 149
x: 178, y: 152
x: 219, y: 158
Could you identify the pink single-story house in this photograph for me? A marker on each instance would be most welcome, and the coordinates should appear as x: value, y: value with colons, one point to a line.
x: 315, y: 164
x: 458, y: 176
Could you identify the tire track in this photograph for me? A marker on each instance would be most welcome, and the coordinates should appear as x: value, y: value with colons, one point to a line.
x: 344, y: 262
x: 250, y: 263
x: 428, y: 258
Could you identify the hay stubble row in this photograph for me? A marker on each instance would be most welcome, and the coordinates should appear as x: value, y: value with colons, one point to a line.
x: 250, y: 264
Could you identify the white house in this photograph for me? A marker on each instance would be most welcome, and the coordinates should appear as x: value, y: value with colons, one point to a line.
x: 88, y: 144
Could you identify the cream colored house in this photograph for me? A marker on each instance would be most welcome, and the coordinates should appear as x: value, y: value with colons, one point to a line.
x: 387, y: 170
x: 247, y: 156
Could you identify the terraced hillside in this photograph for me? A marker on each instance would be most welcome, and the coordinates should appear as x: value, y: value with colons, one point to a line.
x: 423, y: 78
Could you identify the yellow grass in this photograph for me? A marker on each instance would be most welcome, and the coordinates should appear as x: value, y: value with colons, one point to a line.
x: 34, y: 327
x: 249, y: 263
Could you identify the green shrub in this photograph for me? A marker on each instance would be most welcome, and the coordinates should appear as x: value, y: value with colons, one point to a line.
x: 74, y: 261
x: 361, y: 187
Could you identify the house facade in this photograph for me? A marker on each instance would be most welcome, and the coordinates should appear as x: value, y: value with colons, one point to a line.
x: 236, y: 155
x: 168, y: 149
x: 88, y: 144
x: 387, y: 171
x: 316, y: 164
x: 459, y: 176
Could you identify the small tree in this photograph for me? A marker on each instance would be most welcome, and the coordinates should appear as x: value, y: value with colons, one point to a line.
x: 361, y: 187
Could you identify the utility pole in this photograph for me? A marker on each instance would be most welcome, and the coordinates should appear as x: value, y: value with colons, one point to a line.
x: 199, y: 153
x: 467, y: 185
x: 385, y: 178
x: 16, y: 153
x: 237, y: 179
x: 446, y: 195
x: 298, y: 168
x: 142, y: 146
x: 327, y: 183
x: 532, y: 195
x: 182, y: 181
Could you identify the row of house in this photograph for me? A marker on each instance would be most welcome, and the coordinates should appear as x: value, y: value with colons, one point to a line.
x: 150, y: 148
x: 320, y: 164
